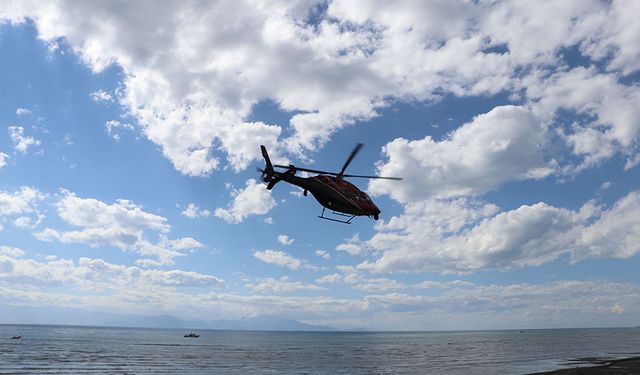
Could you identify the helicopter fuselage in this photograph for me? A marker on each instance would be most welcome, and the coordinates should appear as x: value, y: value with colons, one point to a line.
x: 333, y: 193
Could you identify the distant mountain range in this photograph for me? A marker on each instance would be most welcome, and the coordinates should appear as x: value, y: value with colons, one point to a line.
x: 10, y: 314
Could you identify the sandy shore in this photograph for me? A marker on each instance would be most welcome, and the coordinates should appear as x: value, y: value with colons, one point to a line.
x: 626, y: 366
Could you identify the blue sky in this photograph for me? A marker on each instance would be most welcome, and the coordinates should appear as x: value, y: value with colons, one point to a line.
x: 129, y: 148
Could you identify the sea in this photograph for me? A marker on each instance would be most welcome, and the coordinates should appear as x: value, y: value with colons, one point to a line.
x: 46, y: 349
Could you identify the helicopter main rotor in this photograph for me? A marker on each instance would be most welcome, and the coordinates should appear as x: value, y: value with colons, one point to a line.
x: 341, y: 174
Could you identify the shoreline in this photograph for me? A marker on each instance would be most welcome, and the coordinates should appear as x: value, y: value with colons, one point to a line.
x: 602, y: 366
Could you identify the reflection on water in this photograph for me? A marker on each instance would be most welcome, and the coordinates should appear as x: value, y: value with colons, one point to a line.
x: 64, y: 349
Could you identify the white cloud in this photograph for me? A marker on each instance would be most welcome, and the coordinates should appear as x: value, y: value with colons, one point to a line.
x: 22, y: 111
x: 353, y: 246
x: 618, y: 38
x: 20, y: 142
x: 455, y: 236
x: 297, y: 193
x: 26, y: 222
x: 118, y: 288
x: 612, y: 124
x: 255, y: 199
x: 184, y: 243
x: 615, y: 233
x: 121, y: 224
x: 617, y: 308
x: 101, y: 95
x: 242, y: 142
x: 95, y: 274
x: 430, y: 284
x: 359, y: 281
x: 148, y: 263
x: 281, y: 285
x: 379, y: 284
x: 11, y: 251
x: 192, y: 211
x: 606, y: 185
x: 92, y: 213
x: 496, y: 147
x: 554, y: 304
x: 3, y: 159
x: 285, y: 240
x: 323, y: 254
x: 114, y: 128
x: 20, y: 202
x: 279, y: 258
x: 332, y: 278
x: 194, y: 85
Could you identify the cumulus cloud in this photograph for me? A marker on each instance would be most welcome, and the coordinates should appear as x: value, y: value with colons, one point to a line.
x: 192, y: 77
x: 430, y: 284
x: 615, y: 233
x: 323, y: 254
x: 101, y: 96
x: 353, y: 245
x: 279, y: 258
x: 254, y: 199
x: 111, y: 287
x: 464, y: 238
x: 11, y: 251
x: 283, y: 284
x: 122, y: 224
x: 618, y: 38
x: 95, y: 274
x: 3, y: 159
x: 527, y: 304
x: 192, y: 211
x: 285, y: 240
x: 26, y: 222
x: 22, y: 111
x: 21, y: 202
x: 359, y: 281
x: 115, y: 127
x: 496, y: 147
x: 21, y: 143
x: 557, y: 304
x: 612, y: 119
x: 184, y: 243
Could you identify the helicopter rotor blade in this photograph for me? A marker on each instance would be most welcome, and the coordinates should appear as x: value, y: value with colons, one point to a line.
x: 284, y: 166
x: 316, y: 171
x: 334, y: 173
x: 341, y: 174
x: 305, y: 169
x: 349, y: 159
x: 263, y: 175
x: 379, y: 177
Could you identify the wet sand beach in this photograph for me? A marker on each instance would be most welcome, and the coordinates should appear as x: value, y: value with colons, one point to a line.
x: 626, y: 366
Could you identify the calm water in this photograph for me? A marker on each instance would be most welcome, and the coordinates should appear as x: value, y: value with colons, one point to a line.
x: 65, y: 349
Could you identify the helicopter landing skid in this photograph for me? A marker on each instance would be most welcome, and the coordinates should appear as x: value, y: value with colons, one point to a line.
x: 348, y: 221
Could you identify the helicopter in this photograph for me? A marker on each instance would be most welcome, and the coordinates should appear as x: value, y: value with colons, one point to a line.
x: 330, y: 189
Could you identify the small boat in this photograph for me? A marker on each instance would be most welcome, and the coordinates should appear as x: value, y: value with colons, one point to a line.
x: 191, y: 334
x: 16, y: 337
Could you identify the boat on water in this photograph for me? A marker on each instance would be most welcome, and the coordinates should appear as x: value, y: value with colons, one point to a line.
x: 16, y: 337
x: 191, y: 334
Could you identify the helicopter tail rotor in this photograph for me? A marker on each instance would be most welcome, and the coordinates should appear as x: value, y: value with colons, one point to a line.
x: 268, y: 174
